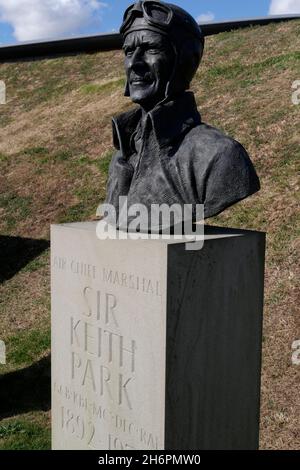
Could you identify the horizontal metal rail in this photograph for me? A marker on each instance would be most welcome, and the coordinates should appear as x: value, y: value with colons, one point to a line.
x: 113, y: 41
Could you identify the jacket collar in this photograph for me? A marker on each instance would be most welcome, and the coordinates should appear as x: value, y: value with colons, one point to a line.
x: 169, y: 120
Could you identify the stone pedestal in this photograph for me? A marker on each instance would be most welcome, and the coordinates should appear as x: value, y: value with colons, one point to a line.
x: 154, y: 346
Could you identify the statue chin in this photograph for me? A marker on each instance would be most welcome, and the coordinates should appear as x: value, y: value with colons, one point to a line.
x: 146, y: 97
x: 142, y: 98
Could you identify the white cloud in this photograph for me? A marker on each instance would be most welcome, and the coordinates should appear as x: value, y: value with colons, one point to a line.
x: 281, y: 7
x: 206, y: 17
x: 39, y: 19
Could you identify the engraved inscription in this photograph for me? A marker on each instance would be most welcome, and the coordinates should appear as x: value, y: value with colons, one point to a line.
x: 92, y: 341
x: 95, y: 391
x: 73, y: 422
x: 106, y: 275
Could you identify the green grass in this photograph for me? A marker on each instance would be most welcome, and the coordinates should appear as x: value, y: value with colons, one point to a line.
x: 89, y: 198
x: 105, y: 160
x: 25, y: 434
x: 3, y: 158
x: 16, y: 208
x: 63, y: 155
x: 55, y: 153
x: 238, y: 70
x: 109, y: 87
x: 32, y: 151
x: 26, y: 346
x: 13, y: 203
x: 75, y: 213
x: 81, y: 160
x: 37, y: 263
x: 51, y: 89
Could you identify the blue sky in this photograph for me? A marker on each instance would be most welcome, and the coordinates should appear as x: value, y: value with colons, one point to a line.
x: 29, y: 20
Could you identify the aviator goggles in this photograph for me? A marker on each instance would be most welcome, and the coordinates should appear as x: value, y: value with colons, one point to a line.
x: 157, y: 15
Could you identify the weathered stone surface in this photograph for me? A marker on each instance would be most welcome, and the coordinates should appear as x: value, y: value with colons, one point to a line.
x: 2, y: 352
x: 154, y: 346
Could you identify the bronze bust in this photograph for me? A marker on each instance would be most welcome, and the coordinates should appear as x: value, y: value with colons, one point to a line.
x: 165, y: 153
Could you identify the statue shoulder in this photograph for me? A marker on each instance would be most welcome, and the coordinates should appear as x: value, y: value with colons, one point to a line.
x: 223, y: 167
x: 115, y: 156
x: 214, y: 142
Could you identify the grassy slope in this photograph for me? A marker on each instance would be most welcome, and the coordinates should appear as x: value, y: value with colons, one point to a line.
x: 55, y: 145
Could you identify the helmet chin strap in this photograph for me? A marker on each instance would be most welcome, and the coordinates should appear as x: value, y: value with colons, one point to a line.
x: 171, y: 81
x: 126, y: 92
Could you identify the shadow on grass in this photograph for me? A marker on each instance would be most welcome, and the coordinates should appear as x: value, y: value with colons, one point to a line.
x: 17, y: 252
x: 26, y: 389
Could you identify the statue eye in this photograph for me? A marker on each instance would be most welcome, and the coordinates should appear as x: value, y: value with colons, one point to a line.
x: 153, y: 50
x: 128, y: 51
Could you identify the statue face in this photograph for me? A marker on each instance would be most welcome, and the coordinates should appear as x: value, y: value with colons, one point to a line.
x: 149, y: 62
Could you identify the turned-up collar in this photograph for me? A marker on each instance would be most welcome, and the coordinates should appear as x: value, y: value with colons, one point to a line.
x: 170, y: 120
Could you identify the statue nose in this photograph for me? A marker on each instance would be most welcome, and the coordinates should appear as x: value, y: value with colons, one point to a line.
x: 137, y: 62
x: 137, y: 56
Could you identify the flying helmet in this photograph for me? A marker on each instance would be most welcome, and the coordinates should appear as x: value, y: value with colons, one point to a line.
x: 182, y: 31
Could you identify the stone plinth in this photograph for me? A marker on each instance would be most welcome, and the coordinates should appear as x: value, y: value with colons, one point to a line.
x: 154, y: 346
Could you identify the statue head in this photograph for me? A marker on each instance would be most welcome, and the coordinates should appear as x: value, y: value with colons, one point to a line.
x: 163, y: 48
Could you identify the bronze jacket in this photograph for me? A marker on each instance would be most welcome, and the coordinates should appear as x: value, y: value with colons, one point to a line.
x: 180, y: 160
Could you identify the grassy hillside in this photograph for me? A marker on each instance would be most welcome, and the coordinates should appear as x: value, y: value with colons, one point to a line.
x: 55, y: 147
